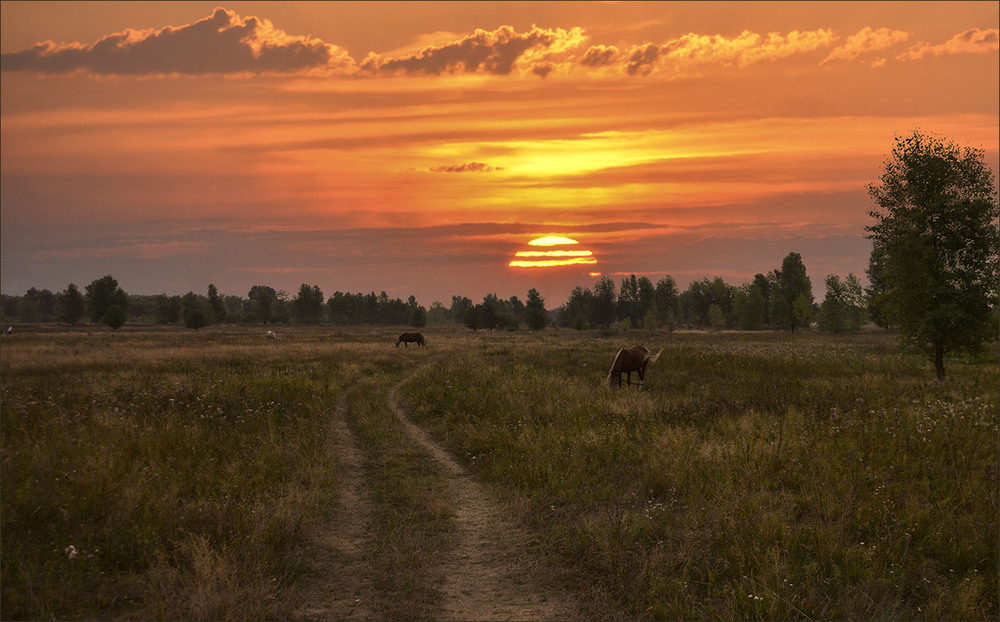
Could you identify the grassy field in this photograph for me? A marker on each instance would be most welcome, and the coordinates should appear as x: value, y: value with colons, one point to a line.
x: 172, y: 474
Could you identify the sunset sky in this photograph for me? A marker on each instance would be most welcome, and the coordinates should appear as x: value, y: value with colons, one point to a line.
x: 419, y: 148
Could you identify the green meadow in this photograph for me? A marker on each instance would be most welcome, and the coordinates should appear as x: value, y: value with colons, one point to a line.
x: 164, y: 473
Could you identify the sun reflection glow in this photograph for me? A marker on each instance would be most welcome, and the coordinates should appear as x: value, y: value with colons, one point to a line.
x: 552, y: 257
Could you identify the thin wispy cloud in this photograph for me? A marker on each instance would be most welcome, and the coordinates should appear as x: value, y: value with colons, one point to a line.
x: 471, y: 167
x: 145, y: 250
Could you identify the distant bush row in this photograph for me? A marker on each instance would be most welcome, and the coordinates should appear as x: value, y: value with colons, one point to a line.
x: 781, y: 299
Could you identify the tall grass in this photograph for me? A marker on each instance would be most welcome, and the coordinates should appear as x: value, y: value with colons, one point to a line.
x: 754, y: 476
x: 160, y: 474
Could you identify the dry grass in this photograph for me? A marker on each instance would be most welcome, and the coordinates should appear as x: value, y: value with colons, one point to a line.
x: 169, y: 474
x: 755, y: 476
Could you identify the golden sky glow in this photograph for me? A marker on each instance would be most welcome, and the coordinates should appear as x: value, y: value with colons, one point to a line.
x: 426, y: 148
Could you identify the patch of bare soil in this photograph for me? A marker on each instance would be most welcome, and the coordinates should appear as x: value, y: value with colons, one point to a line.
x: 492, y: 574
x: 335, y: 591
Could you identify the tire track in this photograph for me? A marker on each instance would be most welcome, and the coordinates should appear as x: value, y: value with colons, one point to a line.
x: 492, y: 574
x: 339, y: 546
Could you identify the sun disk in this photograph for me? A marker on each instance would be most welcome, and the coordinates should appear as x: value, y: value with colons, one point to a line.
x: 552, y: 257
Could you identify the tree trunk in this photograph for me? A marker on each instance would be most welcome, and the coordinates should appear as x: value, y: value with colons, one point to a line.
x: 939, y: 361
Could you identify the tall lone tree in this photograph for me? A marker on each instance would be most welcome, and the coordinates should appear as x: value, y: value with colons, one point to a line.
x: 791, y: 294
x: 535, y: 315
x: 936, y: 236
x: 102, y: 294
x: 71, y: 305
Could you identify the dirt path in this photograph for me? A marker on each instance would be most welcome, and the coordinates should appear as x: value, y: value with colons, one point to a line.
x: 337, y: 591
x: 492, y: 575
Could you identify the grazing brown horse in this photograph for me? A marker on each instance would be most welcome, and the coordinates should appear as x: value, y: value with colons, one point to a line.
x: 629, y: 360
x: 407, y: 338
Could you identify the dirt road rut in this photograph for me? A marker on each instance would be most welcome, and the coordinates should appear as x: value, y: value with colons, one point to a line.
x: 491, y: 572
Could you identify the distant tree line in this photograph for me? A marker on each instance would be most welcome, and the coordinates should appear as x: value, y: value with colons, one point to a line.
x: 781, y: 299
x: 104, y: 302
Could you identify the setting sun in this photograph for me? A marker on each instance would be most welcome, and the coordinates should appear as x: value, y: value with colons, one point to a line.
x: 554, y: 256
x: 551, y: 240
x: 466, y: 148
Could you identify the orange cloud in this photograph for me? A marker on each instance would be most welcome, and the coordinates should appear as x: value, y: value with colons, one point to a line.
x: 599, y: 56
x: 694, y: 50
x: 972, y: 41
x: 778, y: 46
x: 222, y: 43
x: 226, y: 43
x: 471, y: 167
x: 496, y: 52
x: 866, y: 41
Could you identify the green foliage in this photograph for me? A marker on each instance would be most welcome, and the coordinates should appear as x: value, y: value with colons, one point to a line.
x: 494, y: 313
x: 418, y: 318
x: 38, y: 305
x: 193, y: 310
x: 28, y: 311
x: 577, y: 310
x: 195, y: 318
x: 438, y: 313
x: 102, y: 294
x: 168, y: 309
x: 636, y: 298
x: 307, y: 307
x: 217, y: 305
x: 649, y: 321
x: 697, y: 301
x: 750, y: 307
x: 716, y: 318
x: 71, y: 305
x: 791, y: 294
x: 115, y: 317
x: 262, y: 302
x: 666, y: 297
x: 937, y: 241
x: 460, y: 306
x: 876, y: 285
x: 602, y: 312
x: 844, y: 307
x: 352, y: 309
x: 535, y: 315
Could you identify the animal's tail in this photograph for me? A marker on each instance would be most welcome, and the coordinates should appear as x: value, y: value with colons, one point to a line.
x: 652, y: 358
x: 615, y: 366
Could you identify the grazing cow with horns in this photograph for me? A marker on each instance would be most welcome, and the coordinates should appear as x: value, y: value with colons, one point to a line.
x: 407, y: 338
x: 629, y: 360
